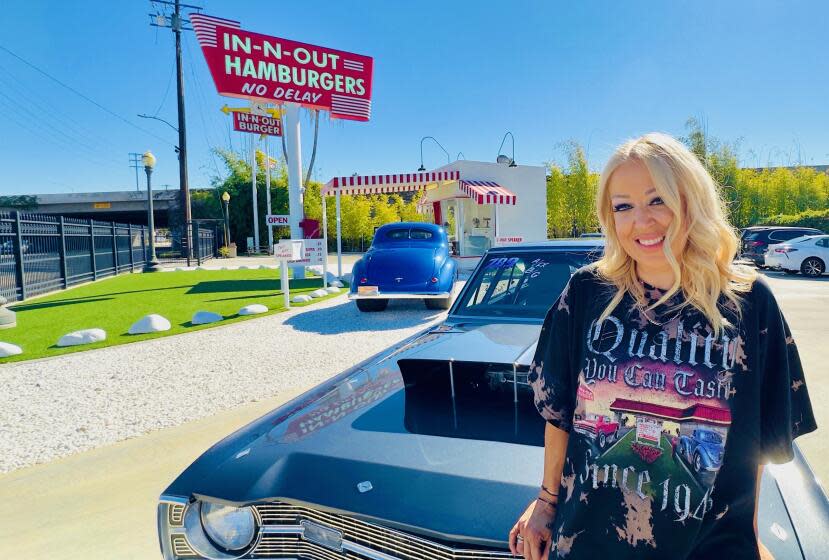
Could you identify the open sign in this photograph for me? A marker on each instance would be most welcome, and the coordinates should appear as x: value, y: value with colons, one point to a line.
x: 278, y: 219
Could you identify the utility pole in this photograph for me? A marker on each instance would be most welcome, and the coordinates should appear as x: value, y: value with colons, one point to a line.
x: 135, y: 162
x: 178, y: 25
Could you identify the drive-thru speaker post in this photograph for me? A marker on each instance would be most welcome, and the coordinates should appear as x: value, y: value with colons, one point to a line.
x: 266, y: 69
x: 284, y: 251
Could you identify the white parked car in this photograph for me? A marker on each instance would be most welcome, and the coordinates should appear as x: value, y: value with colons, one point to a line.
x: 808, y: 254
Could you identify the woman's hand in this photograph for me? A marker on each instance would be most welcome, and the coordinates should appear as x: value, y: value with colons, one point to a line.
x: 531, y: 536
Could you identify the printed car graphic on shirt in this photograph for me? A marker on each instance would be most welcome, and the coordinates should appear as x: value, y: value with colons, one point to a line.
x: 600, y: 428
x: 703, y: 449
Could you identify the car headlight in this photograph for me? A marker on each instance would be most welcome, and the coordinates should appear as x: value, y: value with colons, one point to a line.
x: 231, y: 528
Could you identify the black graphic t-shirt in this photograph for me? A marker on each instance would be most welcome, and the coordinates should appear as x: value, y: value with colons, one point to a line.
x: 667, y: 422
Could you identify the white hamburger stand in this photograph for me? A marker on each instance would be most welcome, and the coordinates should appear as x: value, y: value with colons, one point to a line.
x: 491, y: 202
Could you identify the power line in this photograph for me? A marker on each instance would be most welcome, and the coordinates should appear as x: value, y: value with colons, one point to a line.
x: 200, y: 102
x: 166, y: 91
x: 28, y: 95
x: 83, y: 96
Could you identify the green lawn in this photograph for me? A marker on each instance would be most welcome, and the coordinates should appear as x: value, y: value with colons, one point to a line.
x: 116, y: 303
x: 664, y: 467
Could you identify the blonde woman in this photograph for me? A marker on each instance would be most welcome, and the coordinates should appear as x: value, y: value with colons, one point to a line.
x: 667, y: 376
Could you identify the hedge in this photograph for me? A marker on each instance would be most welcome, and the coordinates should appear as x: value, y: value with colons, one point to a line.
x: 808, y: 218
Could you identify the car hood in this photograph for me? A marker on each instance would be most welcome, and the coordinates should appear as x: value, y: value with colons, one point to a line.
x: 429, y: 464
x: 433, y: 462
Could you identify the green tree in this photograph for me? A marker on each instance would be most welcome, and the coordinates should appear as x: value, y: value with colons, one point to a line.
x: 26, y: 202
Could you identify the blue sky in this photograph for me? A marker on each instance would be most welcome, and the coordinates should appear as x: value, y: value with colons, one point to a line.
x: 463, y: 72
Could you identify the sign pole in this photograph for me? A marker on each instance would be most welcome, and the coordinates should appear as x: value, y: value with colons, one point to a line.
x: 253, y: 192
x: 268, y: 191
x: 285, y: 285
x: 339, y: 237
x: 324, y: 242
x: 293, y: 147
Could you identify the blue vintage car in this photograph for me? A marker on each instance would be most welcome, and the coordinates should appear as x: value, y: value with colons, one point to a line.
x: 703, y: 449
x: 430, y: 449
x: 406, y: 260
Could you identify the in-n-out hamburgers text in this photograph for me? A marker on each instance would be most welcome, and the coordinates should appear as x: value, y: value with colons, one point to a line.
x: 274, y: 70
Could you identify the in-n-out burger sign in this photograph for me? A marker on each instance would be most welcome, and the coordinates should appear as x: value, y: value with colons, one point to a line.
x: 273, y: 70
x: 256, y: 124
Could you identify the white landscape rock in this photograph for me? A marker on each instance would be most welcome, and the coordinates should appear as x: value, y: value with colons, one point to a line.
x: 85, y: 336
x: 266, y: 267
x: 7, y: 349
x: 332, y: 290
x: 336, y: 284
x: 318, y: 293
x: 253, y: 309
x: 150, y: 324
x: 302, y: 298
x: 205, y: 317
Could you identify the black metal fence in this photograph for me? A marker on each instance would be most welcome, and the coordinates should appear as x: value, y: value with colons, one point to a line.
x: 43, y: 253
x: 204, y: 236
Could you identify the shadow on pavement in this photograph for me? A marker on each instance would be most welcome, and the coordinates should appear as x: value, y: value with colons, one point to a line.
x: 345, y: 317
x: 257, y: 285
x: 796, y: 277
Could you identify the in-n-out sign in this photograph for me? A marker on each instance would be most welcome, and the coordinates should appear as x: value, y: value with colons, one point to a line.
x: 278, y: 220
x: 257, y: 124
x: 274, y: 70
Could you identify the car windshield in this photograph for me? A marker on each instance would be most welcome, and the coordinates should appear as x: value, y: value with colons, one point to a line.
x: 751, y: 236
x: 522, y: 285
x: 710, y: 437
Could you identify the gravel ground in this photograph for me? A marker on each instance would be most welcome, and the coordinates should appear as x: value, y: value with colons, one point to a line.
x: 59, y: 406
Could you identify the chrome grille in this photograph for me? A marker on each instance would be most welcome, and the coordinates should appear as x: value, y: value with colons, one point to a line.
x: 379, y: 539
x: 181, y: 547
x: 283, y: 546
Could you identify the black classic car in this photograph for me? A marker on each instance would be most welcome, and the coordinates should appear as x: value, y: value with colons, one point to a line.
x: 429, y: 450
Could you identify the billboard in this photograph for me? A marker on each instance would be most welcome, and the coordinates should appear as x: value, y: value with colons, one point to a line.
x: 270, y: 69
x: 256, y: 124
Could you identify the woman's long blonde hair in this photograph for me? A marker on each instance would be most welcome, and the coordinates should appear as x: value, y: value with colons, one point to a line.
x: 705, y: 270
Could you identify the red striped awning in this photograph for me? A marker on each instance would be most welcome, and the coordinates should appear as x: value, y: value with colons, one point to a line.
x: 697, y: 411
x: 377, y: 184
x: 487, y: 192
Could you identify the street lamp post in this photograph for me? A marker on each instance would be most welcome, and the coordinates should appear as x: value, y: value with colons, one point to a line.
x: 152, y: 265
x: 226, y: 201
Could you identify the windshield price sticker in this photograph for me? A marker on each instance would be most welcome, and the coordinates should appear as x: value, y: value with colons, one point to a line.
x: 273, y: 70
x: 502, y: 262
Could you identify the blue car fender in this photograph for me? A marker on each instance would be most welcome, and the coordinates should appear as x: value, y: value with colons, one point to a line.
x: 357, y: 272
x: 446, y: 276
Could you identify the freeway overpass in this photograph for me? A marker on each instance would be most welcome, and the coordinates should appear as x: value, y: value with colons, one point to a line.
x: 117, y: 206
